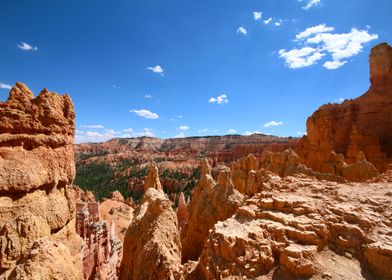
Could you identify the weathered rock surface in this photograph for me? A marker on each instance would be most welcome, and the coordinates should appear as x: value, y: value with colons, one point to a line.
x: 100, y: 251
x: 36, y: 173
x: 182, y: 212
x: 355, y: 131
x: 253, y: 174
x: 152, y: 180
x: 290, y: 229
x: 152, y: 247
x: 211, y: 202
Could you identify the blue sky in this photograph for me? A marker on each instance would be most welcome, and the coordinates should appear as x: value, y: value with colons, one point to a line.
x: 173, y: 68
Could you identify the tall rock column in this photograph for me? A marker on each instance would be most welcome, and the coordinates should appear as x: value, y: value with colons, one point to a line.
x: 356, y: 132
x: 211, y: 202
x: 37, y: 231
x: 152, y: 247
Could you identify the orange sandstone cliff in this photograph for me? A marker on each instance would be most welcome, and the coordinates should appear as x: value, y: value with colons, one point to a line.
x: 37, y: 210
x: 353, y: 139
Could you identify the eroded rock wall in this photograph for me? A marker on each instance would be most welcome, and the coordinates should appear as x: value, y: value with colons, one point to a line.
x: 36, y: 172
x: 356, y: 131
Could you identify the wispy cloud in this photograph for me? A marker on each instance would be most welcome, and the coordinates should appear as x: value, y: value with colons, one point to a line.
x: 26, y: 47
x: 321, y: 28
x: 5, y: 86
x: 148, y: 96
x: 267, y: 21
x: 221, y: 99
x: 156, y: 69
x: 247, y: 133
x: 206, y: 130
x: 257, y: 15
x: 242, y: 30
x: 279, y: 22
x: 318, y: 41
x: 145, y: 114
x: 339, y: 100
x: 100, y: 136
x: 232, y: 131
x: 179, y: 135
x: 310, y: 4
x: 299, y: 58
x: 273, y: 124
x: 92, y: 126
x: 183, y: 128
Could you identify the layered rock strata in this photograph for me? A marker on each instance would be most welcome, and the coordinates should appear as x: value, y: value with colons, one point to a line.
x: 37, y: 229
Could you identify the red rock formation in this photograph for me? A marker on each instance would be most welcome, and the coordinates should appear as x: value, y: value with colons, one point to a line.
x: 358, y: 129
x: 100, y: 251
x: 211, y: 202
x: 152, y: 180
x: 152, y: 248
x: 253, y: 174
x: 37, y: 231
x: 182, y: 212
x: 304, y: 228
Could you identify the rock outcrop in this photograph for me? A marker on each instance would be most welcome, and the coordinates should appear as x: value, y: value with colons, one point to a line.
x: 182, y: 212
x: 356, y: 132
x: 211, y: 202
x: 304, y: 228
x: 100, y: 251
x: 253, y: 174
x: 152, y: 180
x: 37, y: 169
x: 152, y: 247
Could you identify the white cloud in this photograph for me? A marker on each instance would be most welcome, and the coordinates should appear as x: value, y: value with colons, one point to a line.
x: 156, y: 69
x: 321, y: 28
x: 342, y: 46
x: 26, y: 47
x: 267, y: 21
x: 247, y: 133
x: 279, y: 22
x: 147, y: 96
x: 179, y: 135
x: 146, y: 132
x: 318, y: 41
x: 221, y: 99
x: 5, y: 86
x: 114, y: 86
x: 298, y: 58
x: 98, y: 136
x: 93, y: 126
x: 299, y: 133
x: 273, y: 124
x: 232, y: 131
x: 339, y: 100
x: 257, y: 15
x: 311, y: 3
x: 183, y: 128
x: 242, y: 30
x: 179, y: 116
x: 145, y: 114
x: 335, y: 64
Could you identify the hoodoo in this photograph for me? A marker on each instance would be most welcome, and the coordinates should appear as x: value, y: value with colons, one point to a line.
x: 353, y: 139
